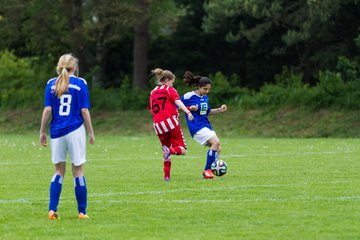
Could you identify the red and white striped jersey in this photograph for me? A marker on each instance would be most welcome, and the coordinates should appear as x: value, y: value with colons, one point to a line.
x: 162, y: 106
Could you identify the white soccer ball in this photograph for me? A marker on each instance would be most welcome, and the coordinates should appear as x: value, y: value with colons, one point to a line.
x: 219, y: 168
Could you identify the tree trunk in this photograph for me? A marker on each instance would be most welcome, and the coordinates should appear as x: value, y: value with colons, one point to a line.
x: 140, y: 50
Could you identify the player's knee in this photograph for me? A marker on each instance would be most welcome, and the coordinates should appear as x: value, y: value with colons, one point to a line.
x: 77, y: 170
x: 215, y: 145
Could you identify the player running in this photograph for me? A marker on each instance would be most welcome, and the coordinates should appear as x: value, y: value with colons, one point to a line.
x: 67, y: 101
x: 200, y: 128
x: 163, y: 104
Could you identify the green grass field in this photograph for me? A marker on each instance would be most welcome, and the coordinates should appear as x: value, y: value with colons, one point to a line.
x: 274, y: 189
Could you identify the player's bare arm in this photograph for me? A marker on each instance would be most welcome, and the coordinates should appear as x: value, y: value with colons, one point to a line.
x: 44, y: 120
x: 181, y: 105
x: 221, y: 109
x: 87, y: 121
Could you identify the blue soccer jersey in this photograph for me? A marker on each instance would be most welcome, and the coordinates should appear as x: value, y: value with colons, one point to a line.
x: 66, y: 111
x: 200, y: 116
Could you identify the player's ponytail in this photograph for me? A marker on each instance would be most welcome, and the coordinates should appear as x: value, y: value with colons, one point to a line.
x: 161, y: 75
x: 191, y: 79
x: 195, y: 80
x: 66, y: 64
x: 62, y: 83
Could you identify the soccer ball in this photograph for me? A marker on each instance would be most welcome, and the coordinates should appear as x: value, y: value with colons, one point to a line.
x: 219, y: 168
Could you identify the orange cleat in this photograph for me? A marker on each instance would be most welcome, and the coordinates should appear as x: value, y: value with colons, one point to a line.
x: 53, y: 215
x: 83, y: 216
x: 208, y: 174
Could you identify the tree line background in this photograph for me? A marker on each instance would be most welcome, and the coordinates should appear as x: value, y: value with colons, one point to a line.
x: 258, y: 53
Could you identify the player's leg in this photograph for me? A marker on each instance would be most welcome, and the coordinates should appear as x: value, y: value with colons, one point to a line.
x: 58, y: 150
x: 173, y: 143
x: 178, y: 144
x: 218, y: 152
x: 165, y: 142
x: 76, y: 143
x: 207, y: 137
x: 80, y: 190
x: 213, y: 152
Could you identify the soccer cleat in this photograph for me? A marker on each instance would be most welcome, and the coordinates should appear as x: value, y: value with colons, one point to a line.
x: 83, y: 216
x: 208, y: 174
x: 166, y: 152
x: 53, y: 215
x: 167, y: 179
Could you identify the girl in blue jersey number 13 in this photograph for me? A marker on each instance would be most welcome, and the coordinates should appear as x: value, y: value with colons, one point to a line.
x: 200, y: 129
x: 67, y: 101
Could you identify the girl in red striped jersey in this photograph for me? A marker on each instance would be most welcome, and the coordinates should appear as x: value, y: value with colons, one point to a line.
x: 163, y: 104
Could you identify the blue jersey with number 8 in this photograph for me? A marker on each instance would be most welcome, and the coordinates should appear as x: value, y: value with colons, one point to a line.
x: 66, y: 111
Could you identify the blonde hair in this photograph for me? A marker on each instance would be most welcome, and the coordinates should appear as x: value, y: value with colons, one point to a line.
x: 162, y: 75
x: 66, y: 64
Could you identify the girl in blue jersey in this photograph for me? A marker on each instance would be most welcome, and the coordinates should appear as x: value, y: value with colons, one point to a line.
x: 67, y: 101
x: 200, y: 128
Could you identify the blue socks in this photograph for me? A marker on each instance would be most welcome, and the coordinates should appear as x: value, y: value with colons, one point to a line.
x: 81, y: 193
x: 55, y: 190
x: 210, y: 158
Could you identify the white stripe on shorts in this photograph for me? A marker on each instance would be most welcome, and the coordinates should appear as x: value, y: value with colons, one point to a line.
x: 170, y: 123
x: 158, y: 128
x: 164, y: 126
x: 175, y: 120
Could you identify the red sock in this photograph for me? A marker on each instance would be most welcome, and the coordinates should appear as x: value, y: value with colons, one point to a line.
x: 175, y: 151
x: 167, y: 168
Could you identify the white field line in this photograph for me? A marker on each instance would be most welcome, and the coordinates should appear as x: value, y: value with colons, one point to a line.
x: 110, y: 194
x: 4, y: 162
x: 214, y: 189
x: 254, y: 200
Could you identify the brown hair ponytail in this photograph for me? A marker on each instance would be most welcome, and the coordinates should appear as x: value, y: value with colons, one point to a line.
x: 191, y: 79
x: 66, y: 64
x: 162, y: 75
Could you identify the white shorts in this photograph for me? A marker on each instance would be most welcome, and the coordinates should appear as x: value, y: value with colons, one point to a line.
x: 74, y: 142
x: 203, y: 135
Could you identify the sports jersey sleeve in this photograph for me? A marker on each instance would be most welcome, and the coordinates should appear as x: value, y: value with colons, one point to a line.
x: 187, y: 99
x: 183, y: 100
x: 47, y: 98
x: 85, y: 97
x: 174, y: 95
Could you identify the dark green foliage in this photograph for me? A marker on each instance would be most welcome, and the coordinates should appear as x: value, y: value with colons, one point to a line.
x: 252, y: 39
x: 306, y: 35
x: 258, y: 53
x: 225, y: 90
x: 22, y: 81
x: 331, y: 91
x: 124, y: 98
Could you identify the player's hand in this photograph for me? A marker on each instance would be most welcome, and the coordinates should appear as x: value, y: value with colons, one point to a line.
x: 223, y: 108
x: 190, y: 116
x: 43, y: 139
x: 92, y: 138
x: 194, y: 108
